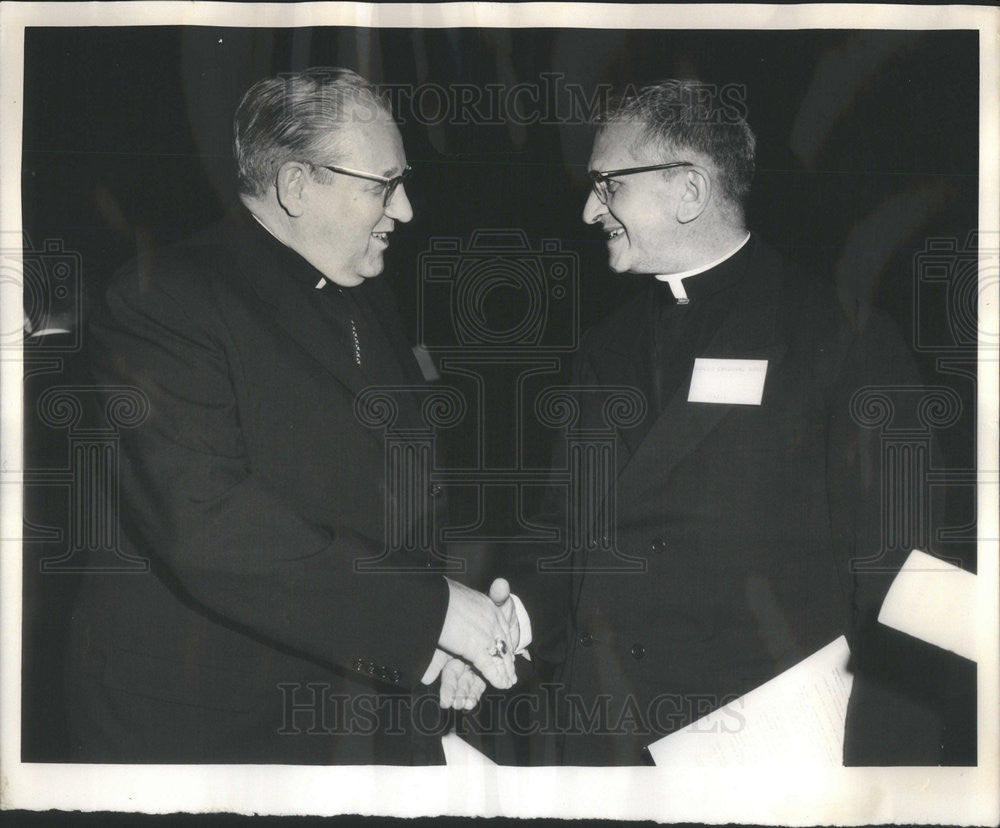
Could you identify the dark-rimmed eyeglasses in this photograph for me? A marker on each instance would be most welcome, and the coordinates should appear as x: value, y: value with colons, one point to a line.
x: 599, y: 179
x: 389, y: 185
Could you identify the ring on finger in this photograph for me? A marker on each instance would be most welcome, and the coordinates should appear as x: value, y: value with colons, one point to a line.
x: 499, y: 648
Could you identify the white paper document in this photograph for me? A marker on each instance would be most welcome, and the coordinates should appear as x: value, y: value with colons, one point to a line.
x: 728, y: 381
x: 459, y: 753
x: 935, y: 602
x: 796, y: 718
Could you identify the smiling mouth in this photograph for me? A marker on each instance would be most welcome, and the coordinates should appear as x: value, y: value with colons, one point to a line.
x: 614, y: 234
x: 383, y: 237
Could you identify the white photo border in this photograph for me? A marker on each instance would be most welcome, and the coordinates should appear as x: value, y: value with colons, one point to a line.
x: 791, y: 796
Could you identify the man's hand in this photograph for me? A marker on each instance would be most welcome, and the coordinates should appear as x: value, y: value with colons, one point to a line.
x: 479, y: 631
x: 500, y: 595
x: 460, y: 688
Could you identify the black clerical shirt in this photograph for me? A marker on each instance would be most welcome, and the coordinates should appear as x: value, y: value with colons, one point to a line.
x: 352, y: 314
x: 682, y: 332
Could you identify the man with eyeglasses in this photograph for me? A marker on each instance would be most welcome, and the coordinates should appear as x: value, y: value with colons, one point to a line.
x: 745, y: 491
x: 253, y: 488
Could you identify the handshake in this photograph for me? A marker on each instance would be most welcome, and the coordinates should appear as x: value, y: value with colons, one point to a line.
x: 481, y: 632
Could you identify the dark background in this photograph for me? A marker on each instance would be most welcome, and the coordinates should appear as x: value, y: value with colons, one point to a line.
x: 867, y: 148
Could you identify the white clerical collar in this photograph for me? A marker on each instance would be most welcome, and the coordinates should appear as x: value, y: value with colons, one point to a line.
x: 674, y: 280
x: 322, y: 279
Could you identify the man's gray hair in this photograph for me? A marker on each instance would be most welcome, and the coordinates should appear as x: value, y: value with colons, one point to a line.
x: 676, y: 116
x: 294, y: 117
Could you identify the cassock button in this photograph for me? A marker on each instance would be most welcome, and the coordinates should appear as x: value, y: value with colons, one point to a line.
x: 638, y: 652
x: 436, y: 490
x: 586, y: 639
x: 657, y: 546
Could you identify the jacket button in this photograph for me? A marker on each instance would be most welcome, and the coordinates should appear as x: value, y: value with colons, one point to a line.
x: 586, y: 639
x: 436, y: 490
x: 638, y: 652
x: 657, y: 546
x: 395, y: 676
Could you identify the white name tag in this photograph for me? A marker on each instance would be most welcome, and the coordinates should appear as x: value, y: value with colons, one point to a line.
x: 731, y: 381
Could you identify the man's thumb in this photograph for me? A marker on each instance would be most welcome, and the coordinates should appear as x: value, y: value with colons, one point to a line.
x: 499, y: 591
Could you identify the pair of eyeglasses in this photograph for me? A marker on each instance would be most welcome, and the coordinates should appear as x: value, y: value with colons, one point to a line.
x: 599, y: 180
x: 389, y: 185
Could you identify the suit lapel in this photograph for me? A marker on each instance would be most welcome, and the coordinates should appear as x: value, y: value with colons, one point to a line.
x: 383, y: 309
x: 380, y: 310
x: 748, y: 332
x: 624, y: 361
x: 277, y: 276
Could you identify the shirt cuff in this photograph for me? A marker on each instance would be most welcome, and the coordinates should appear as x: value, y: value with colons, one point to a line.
x: 524, y: 623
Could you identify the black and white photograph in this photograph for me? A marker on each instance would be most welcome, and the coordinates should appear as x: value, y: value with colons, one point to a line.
x: 470, y: 409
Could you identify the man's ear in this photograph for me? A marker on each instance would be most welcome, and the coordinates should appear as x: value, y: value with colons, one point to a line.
x: 290, y: 184
x: 696, y: 195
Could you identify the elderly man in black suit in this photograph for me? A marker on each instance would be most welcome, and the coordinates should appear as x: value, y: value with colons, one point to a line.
x: 254, y: 489
x: 745, y: 492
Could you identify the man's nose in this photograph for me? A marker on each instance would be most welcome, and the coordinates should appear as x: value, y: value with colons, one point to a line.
x: 593, y: 209
x: 399, y: 207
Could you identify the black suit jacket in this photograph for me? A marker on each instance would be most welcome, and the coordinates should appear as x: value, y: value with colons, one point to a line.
x: 253, y: 489
x: 742, y: 519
